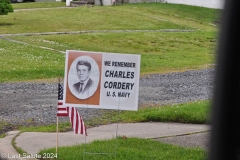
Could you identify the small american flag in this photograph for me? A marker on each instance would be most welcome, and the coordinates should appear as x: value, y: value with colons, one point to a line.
x: 61, y: 110
x: 76, y: 121
x: 75, y: 118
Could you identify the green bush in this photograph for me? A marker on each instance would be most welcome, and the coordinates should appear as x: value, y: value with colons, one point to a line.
x: 5, y: 7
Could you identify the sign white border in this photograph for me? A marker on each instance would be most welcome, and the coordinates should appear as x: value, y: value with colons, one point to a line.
x: 118, y: 83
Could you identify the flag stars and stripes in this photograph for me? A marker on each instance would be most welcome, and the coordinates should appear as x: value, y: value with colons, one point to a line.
x: 75, y: 118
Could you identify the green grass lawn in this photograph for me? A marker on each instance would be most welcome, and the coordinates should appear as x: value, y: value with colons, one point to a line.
x: 122, y: 149
x: 152, y: 16
x: 160, y: 52
x: 135, y: 28
x: 31, y: 5
x: 191, y: 112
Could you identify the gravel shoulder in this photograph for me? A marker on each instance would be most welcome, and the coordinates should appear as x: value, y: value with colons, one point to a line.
x: 35, y: 102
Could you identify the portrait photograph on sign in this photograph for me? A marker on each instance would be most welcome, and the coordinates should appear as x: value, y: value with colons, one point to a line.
x: 83, y: 77
x: 82, y: 80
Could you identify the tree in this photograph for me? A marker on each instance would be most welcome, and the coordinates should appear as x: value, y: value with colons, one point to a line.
x: 5, y: 7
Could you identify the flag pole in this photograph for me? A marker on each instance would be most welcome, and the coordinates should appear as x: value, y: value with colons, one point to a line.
x: 57, y: 125
x: 57, y: 137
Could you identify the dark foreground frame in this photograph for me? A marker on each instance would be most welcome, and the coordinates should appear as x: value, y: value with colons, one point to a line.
x: 225, y: 115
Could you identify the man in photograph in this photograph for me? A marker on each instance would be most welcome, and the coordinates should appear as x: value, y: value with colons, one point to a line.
x: 84, y: 88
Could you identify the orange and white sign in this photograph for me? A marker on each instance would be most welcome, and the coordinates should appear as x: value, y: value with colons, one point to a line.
x: 101, y: 80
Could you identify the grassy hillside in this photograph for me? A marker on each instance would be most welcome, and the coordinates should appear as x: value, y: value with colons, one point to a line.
x: 168, y: 37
